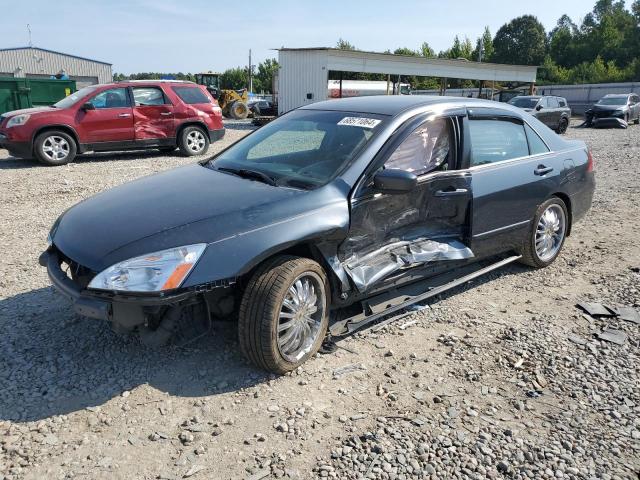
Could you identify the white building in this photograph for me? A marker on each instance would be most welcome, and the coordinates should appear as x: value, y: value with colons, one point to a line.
x: 304, y: 72
x: 34, y: 62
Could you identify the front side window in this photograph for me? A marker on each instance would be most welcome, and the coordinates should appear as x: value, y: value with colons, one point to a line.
x: 144, y: 96
x: 496, y: 140
x: 562, y: 102
x: 112, y: 98
x: 553, y: 102
x: 303, y: 149
x: 191, y: 95
x: 427, y: 148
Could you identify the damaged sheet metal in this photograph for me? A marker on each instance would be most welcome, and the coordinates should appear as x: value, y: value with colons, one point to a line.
x: 375, y: 266
x: 596, y: 309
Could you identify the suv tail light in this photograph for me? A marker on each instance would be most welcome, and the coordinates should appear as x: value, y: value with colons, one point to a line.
x: 589, y: 161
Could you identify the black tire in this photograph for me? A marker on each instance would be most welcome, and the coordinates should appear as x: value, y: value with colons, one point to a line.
x: 562, y: 126
x: 239, y: 110
x: 530, y: 255
x: 193, y: 141
x: 637, y: 120
x: 261, y: 307
x: 167, y: 149
x: 55, y: 147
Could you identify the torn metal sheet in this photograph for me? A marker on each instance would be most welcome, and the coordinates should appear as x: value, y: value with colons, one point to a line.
x: 379, y: 264
x: 596, y: 309
x: 614, y: 336
x: 577, y: 339
x: 628, y: 314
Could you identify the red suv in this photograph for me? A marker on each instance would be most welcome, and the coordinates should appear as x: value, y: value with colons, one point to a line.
x: 116, y: 116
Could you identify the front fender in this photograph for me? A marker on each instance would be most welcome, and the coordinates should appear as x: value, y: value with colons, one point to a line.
x: 234, y: 256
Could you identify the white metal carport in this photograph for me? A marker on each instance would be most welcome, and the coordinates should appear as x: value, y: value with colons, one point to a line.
x: 304, y: 72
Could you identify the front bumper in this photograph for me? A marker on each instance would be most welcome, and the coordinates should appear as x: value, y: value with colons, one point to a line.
x: 16, y: 149
x: 127, y: 310
x: 608, y: 122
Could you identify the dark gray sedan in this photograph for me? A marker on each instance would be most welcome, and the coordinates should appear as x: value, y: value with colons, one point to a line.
x: 323, y: 221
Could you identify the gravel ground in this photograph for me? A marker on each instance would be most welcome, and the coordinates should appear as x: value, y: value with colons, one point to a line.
x: 504, y: 378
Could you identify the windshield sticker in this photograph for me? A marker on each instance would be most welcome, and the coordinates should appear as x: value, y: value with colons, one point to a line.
x: 359, y: 122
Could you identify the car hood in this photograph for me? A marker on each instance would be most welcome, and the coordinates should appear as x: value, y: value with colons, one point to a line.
x: 188, y: 205
x: 29, y: 111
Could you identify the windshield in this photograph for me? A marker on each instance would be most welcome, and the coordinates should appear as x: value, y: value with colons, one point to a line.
x: 524, y: 102
x: 303, y: 149
x: 613, y: 101
x: 66, y: 102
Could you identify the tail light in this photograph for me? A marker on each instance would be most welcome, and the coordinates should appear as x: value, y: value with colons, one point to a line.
x: 589, y: 161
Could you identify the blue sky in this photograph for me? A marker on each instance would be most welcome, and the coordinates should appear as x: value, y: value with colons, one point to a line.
x: 194, y: 35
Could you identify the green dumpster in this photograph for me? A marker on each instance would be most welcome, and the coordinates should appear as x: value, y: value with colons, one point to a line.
x: 16, y: 93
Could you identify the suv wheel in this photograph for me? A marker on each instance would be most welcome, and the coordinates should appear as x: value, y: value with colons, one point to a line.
x: 55, y: 147
x: 563, y: 125
x: 284, y: 313
x: 546, y: 235
x: 193, y: 141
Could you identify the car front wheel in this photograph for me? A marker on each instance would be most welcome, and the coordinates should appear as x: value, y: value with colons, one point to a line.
x: 193, y: 141
x: 546, y: 234
x: 284, y: 313
x: 55, y: 148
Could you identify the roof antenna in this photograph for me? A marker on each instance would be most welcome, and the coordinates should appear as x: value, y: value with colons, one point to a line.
x: 29, y: 30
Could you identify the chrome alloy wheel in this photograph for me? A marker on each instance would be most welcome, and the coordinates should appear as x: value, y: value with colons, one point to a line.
x: 550, y: 232
x: 56, y: 148
x: 300, y: 317
x: 195, y: 141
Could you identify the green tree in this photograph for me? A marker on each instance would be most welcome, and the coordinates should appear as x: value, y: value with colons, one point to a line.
x: 427, y: 52
x: 234, y: 78
x: 405, y: 51
x: 521, y: 41
x: 344, y: 45
x: 263, y: 79
x: 486, y: 43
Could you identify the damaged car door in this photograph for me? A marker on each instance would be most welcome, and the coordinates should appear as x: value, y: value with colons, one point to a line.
x: 411, y: 208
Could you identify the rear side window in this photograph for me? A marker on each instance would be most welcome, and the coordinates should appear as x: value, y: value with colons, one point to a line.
x: 536, y: 145
x: 112, y: 98
x: 191, y: 95
x: 144, y: 96
x: 427, y: 148
x: 496, y: 140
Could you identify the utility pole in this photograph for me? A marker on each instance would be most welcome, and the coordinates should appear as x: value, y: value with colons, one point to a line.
x: 250, y: 73
x: 29, y: 30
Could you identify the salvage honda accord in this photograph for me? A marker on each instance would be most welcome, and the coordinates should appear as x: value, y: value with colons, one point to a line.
x: 344, y: 210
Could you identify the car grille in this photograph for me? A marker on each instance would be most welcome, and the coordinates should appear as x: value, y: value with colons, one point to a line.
x: 603, y: 114
x: 80, y: 274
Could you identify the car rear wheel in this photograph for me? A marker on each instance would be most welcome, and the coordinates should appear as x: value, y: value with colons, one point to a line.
x: 193, y: 141
x: 55, y: 147
x: 284, y: 313
x: 546, y: 234
x: 637, y: 120
x: 563, y: 125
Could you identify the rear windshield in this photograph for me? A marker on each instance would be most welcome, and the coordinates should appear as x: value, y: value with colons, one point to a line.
x: 191, y: 95
x: 524, y: 102
x: 69, y: 100
x: 303, y: 149
x: 613, y: 101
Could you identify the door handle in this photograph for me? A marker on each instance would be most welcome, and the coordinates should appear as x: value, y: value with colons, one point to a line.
x: 124, y: 115
x: 454, y: 192
x: 542, y: 170
x: 165, y: 114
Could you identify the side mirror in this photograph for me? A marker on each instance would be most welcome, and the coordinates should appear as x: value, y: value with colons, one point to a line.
x: 538, y: 108
x: 88, y: 106
x: 393, y: 180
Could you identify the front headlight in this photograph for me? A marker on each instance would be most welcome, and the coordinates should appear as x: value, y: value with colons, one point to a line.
x: 154, y: 272
x: 18, y: 120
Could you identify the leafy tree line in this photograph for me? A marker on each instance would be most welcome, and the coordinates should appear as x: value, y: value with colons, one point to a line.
x: 604, y: 47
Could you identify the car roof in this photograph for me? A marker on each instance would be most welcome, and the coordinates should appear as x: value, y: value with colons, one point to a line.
x: 393, y: 105
x: 133, y: 83
x: 531, y: 96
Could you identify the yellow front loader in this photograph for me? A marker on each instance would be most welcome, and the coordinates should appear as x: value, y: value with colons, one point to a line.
x: 232, y: 102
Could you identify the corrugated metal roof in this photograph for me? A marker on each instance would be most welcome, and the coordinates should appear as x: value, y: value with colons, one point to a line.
x: 55, y: 52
